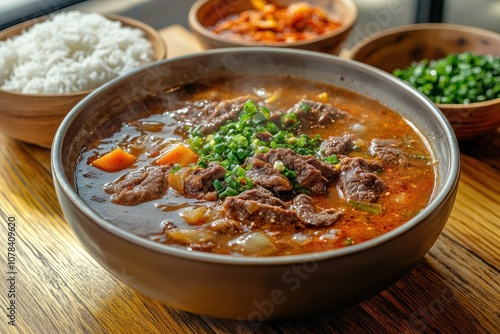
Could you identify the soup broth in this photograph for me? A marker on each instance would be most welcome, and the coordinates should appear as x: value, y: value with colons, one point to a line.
x: 257, y: 166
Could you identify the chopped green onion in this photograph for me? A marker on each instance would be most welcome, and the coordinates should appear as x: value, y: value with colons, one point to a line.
x: 347, y: 242
x: 261, y: 116
x: 303, y: 191
x: 262, y: 149
x: 228, y: 192
x: 175, y: 168
x: 235, y: 141
x: 239, y: 171
x: 266, y: 112
x: 289, y: 121
x: 289, y: 173
x: 332, y: 159
x: 219, y: 187
x: 250, y: 108
x: 304, y: 106
x: 457, y: 78
x: 373, y: 208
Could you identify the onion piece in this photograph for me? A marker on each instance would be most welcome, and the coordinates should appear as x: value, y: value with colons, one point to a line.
x: 400, y: 198
x: 262, y: 92
x: 358, y: 127
x: 302, y: 238
x: 274, y: 96
x: 251, y: 207
x: 330, y: 235
x: 194, y: 216
x: 225, y: 226
x: 188, y: 236
x: 200, y: 215
x: 252, y: 244
x: 176, y: 180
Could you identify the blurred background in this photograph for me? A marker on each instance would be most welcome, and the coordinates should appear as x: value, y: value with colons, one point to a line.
x: 374, y: 15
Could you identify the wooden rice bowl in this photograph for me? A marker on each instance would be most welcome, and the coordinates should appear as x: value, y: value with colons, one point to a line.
x: 34, y: 118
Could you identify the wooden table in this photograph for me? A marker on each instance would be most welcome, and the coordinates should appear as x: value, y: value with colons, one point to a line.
x: 59, y: 288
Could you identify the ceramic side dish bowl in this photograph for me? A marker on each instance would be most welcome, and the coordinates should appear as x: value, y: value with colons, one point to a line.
x: 399, y: 47
x: 34, y: 118
x: 256, y: 288
x: 205, y: 13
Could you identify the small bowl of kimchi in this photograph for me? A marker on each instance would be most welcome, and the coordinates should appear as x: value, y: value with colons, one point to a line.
x: 310, y: 25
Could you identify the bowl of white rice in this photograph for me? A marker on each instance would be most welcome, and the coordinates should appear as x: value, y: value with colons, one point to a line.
x: 48, y: 64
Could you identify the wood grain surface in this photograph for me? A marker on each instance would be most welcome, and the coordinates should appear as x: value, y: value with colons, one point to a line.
x: 59, y: 288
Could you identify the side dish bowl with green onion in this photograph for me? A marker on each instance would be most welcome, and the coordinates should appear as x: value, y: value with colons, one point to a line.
x: 458, y: 78
x: 456, y: 66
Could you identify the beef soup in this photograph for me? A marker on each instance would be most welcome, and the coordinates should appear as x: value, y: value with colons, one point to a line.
x: 257, y: 166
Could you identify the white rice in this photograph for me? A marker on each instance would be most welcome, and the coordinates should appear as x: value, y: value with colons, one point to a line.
x: 71, y: 52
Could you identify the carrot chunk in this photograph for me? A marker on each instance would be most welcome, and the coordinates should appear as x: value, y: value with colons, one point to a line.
x: 114, y: 161
x: 179, y: 154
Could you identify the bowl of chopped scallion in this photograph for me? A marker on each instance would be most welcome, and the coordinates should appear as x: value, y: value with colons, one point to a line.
x: 456, y: 66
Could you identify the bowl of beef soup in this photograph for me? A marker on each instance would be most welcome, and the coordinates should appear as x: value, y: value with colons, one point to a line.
x: 215, y: 178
